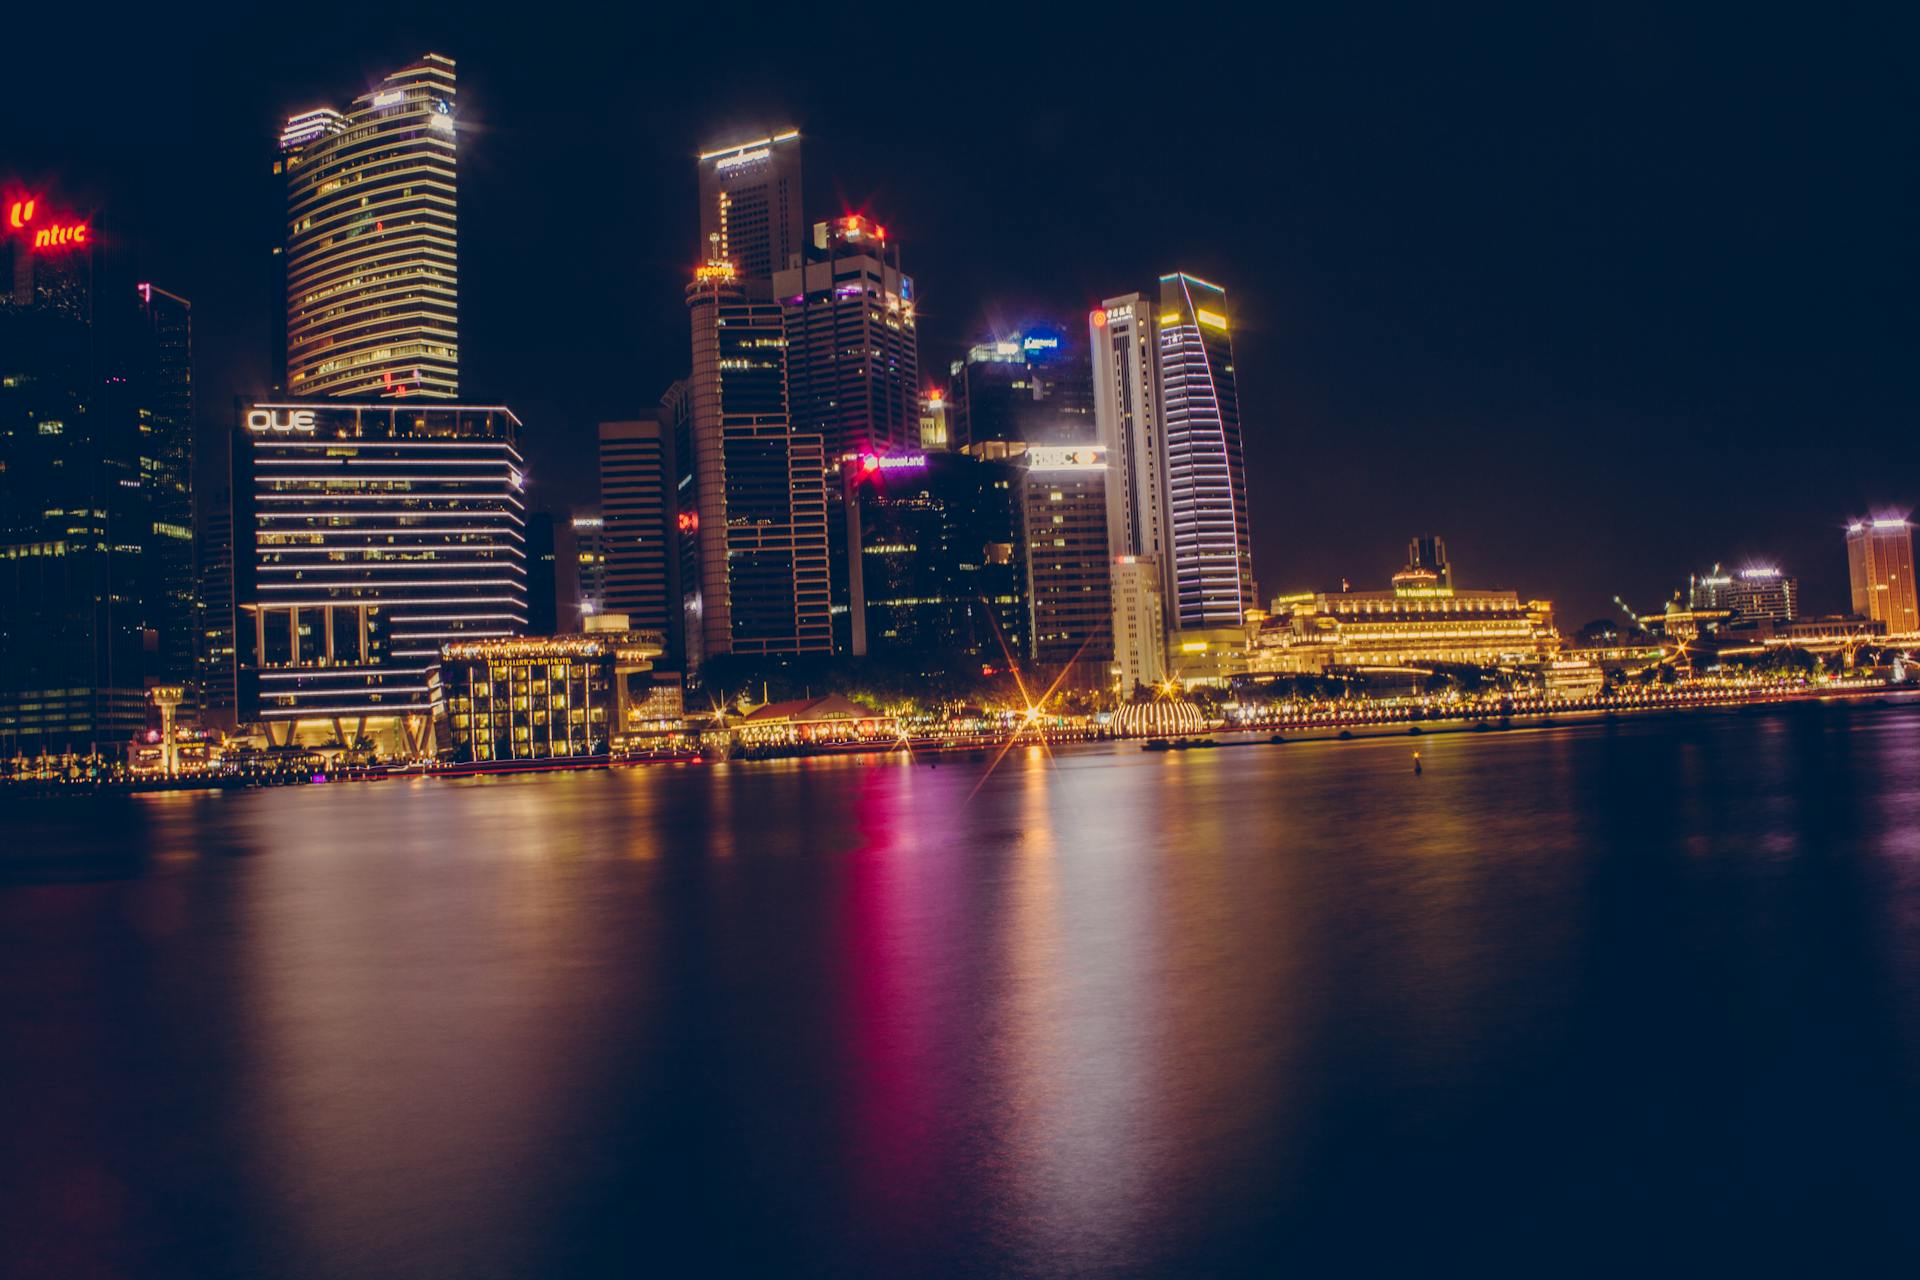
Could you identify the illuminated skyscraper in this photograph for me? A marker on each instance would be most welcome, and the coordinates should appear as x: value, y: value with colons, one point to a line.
x: 1210, y: 544
x: 750, y: 212
x: 637, y: 524
x: 1126, y: 392
x: 1880, y: 570
x: 1167, y: 410
x: 590, y: 547
x: 371, y: 263
x: 1139, y: 632
x: 1762, y: 593
x: 216, y: 662
x: 853, y: 357
x: 164, y: 366
x: 1709, y: 590
x: 676, y: 408
x: 370, y: 536
x: 1069, y: 573
x: 759, y: 511
x: 935, y: 433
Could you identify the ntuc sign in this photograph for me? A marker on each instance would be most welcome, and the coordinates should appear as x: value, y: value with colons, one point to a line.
x: 283, y: 421
x: 45, y: 235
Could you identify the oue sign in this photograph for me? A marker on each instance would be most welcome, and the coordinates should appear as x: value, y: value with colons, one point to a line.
x: 284, y: 421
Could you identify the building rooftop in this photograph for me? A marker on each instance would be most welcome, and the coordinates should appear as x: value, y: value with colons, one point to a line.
x: 803, y: 710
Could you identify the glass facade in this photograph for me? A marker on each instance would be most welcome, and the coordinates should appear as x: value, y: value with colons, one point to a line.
x: 758, y: 484
x: 96, y: 538
x: 1211, y: 548
x: 940, y: 571
x: 372, y: 241
x: 376, y: 534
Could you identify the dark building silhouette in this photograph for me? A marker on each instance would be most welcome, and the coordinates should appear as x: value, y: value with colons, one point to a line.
x: 164, y: 346
x: 853, y: 359
x: 940, y: 569
x: 543, y: 583
x: 638, y: 539
x: 758, y: 509
x: 96, y: 543
x: 1034, y: 387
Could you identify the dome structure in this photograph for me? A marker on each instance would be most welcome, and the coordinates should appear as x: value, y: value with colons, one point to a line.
x: 1161, y: 718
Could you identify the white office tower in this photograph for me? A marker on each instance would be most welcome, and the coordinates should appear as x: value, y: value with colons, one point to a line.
x: 1139, y: 633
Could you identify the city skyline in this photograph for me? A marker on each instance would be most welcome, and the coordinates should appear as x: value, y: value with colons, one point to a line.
x: 1704, y: 423
x: 1006, y: 643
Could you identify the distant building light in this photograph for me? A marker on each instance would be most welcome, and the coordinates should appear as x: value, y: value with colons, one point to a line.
x: 757, y: 144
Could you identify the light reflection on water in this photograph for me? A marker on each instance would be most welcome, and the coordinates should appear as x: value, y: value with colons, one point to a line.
x: 1100, y: 1013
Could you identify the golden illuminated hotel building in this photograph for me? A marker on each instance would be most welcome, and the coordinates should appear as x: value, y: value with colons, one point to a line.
x: 1422, y: 621
x: 548, y: 697
x: 1880, y: 572
x: 371, y: 263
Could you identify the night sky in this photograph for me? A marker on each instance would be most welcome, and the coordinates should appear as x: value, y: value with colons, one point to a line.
x: 1602, y: 297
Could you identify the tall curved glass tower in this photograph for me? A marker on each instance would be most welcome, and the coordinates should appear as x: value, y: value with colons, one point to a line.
x: 371, y: 259
x: 1211, y: 577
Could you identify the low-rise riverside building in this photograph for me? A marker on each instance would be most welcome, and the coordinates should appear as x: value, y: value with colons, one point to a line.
x: 547, y: 697
x: 815, y: 721
x: 1421, y: 622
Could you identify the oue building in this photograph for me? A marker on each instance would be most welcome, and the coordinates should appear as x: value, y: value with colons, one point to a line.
x: 370, y: 536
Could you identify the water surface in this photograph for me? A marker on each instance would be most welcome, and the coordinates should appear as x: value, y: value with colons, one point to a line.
x: 1587, y: 999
